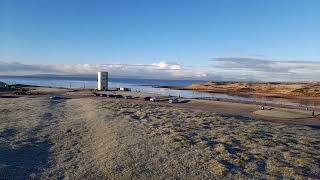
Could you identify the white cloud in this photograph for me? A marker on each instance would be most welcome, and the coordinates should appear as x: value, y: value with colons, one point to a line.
x: 267, y: 70
x: 230, y: 68
x: 171, y: 70
x: 164, y: 65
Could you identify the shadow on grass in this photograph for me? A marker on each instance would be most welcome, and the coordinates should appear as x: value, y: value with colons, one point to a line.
x: 9, y: 96
x: 236, y: 117
x: 209, y: 142
x: 232, y: 150
x: 7, y: 134
x: 24, y: 161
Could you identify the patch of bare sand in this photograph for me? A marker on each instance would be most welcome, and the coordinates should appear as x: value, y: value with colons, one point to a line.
x: 284, y: 113
x: 251, y: 111
x: 48, y: 90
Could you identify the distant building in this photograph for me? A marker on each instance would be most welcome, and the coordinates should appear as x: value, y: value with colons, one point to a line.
x: 102, y: 81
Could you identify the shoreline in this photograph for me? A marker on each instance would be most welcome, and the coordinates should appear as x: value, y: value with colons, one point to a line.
x: 26, y: 86
x: 275, y: 103
x: 243, y: 94
x: 221, y: 106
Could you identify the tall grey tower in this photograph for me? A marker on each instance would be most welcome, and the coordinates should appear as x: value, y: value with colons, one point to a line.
x: 102, y: 81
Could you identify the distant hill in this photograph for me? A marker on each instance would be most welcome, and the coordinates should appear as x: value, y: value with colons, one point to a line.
x: 271, y: 89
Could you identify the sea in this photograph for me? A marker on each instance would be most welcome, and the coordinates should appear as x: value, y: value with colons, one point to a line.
x: 154, y: 86
x: 90, y: 82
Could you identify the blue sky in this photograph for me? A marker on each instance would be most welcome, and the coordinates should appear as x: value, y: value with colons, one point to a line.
x: 185, y: 32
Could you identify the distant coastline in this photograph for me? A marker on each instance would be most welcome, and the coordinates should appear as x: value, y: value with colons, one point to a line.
x: 289, y: 90
x: 179, y: 88
x: 93, y: 77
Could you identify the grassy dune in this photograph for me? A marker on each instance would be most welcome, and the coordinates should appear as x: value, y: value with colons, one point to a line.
x: 261, y: 89
x: 93, y: 138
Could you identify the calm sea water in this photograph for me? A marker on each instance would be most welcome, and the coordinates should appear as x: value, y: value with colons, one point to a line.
x: 149, y: 86
x: 90, y: 82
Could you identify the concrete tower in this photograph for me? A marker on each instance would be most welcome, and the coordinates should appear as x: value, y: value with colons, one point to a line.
x: 102, y: 81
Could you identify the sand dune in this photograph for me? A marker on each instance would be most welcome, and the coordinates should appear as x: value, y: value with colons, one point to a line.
x: 284, y: 90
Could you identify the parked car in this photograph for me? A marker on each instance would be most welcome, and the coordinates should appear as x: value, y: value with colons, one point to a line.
x: 128, y: 97
x: 96, y: 94
x: 124, y: 89
x: 173, y: 100
x: 147, y: 98
x: 118, y: 96
x: 103, y: 95
x: 55, y: 98
x: 155, y: 99
x: 111, y: 95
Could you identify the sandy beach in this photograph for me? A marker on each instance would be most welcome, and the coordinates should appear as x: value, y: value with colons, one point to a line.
x: 87, y: 137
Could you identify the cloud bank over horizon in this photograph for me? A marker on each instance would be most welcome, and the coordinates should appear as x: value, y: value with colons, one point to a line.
x: 267, y: 70
x: 225, y: 68
x: 164, y: 70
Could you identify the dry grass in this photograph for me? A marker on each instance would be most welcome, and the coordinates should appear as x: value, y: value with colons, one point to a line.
x: 114, y: 139
x: 23, y: 152
x: 264, y: 89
